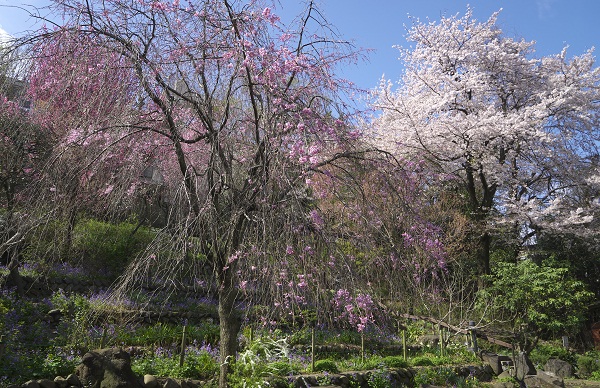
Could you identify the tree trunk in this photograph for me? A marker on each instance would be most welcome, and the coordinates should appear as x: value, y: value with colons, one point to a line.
x: 483, y: 254
x: 229, y: 322
x: 14, y: 277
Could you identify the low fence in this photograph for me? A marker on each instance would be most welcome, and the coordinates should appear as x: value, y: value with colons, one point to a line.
x: 471, y: 333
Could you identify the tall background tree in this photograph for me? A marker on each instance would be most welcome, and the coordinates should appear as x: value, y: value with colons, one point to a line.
x: 517, y: 135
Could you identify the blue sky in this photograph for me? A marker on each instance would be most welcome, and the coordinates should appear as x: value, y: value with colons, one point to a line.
x: 380, y: 24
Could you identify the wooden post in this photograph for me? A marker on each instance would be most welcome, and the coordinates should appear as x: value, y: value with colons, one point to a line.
x: 441, y: 335
x: 362, y: 347
x: 473, y: 337
x: 103, y: 340
x: 312, y: 349
x: 182, y: 354
x: 2, y: 346
x: 404, y: 344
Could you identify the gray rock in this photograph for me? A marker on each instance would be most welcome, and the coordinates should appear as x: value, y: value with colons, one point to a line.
x: 45, y: 383
x: 494, y: 360
x: 543, y: 380
x: 559, y: 368
x: 192, y: 384
x: 55, y: 315
x: 61, y: 382
x: 31, y: 384
x: 73, y: 380
x: 523, y: 366
x: 151, y: 381
x: 107, y: 368
x: 170, y: 383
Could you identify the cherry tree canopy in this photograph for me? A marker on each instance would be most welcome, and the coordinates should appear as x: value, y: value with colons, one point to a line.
x: 519, y: 133
x: 235, y: 110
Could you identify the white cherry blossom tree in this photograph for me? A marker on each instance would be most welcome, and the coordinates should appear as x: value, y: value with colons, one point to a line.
x: 519, y: 134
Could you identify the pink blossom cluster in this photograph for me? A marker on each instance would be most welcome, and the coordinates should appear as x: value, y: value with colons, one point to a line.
x: 357, y: 311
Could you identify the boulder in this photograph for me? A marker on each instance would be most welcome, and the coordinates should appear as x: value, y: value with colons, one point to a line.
x: 198, y: 384
x: 543, y: 380
x: 73, y: 380
x: 45, y: 383
x: 559, y: 368
x: 494, y: 360
x: 170, y: 383
x: 151, y: 382
x: 523, y: 366
x: 61, y: 382
x: 107, y: 368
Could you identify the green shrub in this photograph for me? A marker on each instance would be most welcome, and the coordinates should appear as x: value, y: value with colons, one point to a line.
x: 445, y: 377
x: 536, y: 296
x: 326, y: 365
x: 588, y: 363
x: 395, y: 362
x: 373, y: 362
x: 200, y: 366
x: 543, y: 352
x: 421, y: 361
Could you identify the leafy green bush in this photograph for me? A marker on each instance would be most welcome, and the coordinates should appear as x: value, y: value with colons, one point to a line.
x: 543, y: 352
x: 588, y: 364
x: 542, y: 298
x: 395, y: 362
x: 443, y: 376
x: 326, y: 365
x: 264, y: 357
x: 200, y: 366
x: 373, y: 362
x: 421, y: 361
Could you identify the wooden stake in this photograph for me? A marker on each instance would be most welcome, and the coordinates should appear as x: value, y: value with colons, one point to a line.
x: 103, y: 340
x: 404, y: 344
x: 312, y: 349
x: 362, y: 347
x: 182, y: 354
